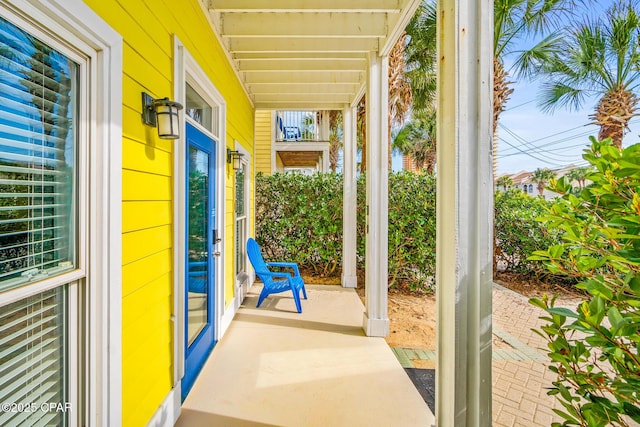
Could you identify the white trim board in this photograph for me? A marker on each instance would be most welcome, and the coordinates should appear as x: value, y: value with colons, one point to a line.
x: 169, y: 411
x: 229, y: 313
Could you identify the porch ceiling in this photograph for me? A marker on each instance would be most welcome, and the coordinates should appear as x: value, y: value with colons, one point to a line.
x: 306, y: 54
x: 300, y: 158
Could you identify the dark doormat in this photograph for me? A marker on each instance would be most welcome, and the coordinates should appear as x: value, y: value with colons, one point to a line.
x: 425, y: 382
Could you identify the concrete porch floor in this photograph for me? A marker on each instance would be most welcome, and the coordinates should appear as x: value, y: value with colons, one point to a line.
x: 275, y: 367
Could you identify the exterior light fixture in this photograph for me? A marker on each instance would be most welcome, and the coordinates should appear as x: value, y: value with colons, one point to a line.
x: 162, y: 113
x: 234, y: 158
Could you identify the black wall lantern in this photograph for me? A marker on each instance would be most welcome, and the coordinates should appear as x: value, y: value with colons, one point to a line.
x: 162, y: 113
x: 234, y: 158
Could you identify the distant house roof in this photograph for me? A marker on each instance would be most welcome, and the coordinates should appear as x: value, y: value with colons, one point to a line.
x: 521, y: 177
x: 524, y: 177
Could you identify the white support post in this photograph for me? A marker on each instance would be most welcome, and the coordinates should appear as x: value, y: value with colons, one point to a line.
x: 376, y: 319
x: 464, y: 212
x: 326, y: 165
x: 325, y: 126
x: 349, y: 207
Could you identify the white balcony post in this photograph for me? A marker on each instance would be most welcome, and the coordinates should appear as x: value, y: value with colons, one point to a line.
x: 326, y: 164
x: 464, y: 212
x: 376, y: 319
x: 349, y: 204
x: 324, y: 128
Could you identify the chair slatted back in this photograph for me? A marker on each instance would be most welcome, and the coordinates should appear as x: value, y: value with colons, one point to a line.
x: 253, y: 251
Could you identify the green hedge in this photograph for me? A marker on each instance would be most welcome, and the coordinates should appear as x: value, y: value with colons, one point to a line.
x: 412, y: 229
x: 299, y: 218
x: 518, y: 234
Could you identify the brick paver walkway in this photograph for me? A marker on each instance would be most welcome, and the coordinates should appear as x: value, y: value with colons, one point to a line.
x: 520, y: 374
x: 520, y: 386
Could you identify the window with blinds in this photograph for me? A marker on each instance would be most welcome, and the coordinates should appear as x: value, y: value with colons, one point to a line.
x: 38, y: 217
x: 38, y: 91
x: 32, y: 360
x: 241, y: 221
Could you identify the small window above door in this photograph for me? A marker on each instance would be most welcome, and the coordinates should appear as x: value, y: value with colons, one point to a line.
x: 200, y: 111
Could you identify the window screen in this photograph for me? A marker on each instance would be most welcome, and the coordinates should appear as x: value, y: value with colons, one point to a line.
x: 33, y: 367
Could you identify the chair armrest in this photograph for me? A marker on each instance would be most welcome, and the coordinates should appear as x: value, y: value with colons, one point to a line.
x: 277, y: 274
x: 285, y: 264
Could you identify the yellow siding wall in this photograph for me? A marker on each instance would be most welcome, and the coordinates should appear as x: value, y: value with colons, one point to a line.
x: 147, y: 27
x: 263, y: 141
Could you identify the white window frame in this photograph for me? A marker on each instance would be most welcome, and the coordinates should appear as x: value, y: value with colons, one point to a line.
x: 71, y: 25
x: 243, y: 287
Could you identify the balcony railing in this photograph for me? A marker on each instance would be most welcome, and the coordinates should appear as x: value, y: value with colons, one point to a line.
x: 301, y: 126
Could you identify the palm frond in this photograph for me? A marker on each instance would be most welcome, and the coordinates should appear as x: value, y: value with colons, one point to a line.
x: 420, y: 55
x: 515, y: 20
x: 529, y: 63
x: 598, y: 56
x: 555, y: 95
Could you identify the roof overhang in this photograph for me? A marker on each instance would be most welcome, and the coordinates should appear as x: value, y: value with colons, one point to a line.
x: 306, y: 54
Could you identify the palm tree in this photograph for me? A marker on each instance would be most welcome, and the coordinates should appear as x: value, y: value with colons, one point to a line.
x: 400, y: 97
x: 420, y: 56
x: 514, y: 22
x: 417, y: 139
x: 412, y: 77
x: 335, y: 133
x: 600, y: 58
x: 505, y: 181
x: 361, y: 128
x: 412, y: 88
x: 542, y: 177
x: 579, y: 174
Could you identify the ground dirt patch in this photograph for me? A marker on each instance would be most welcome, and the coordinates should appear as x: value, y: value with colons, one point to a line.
x: 412, y: 315
x: 531, y: 287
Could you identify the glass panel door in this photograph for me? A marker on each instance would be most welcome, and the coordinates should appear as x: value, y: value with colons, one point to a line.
x: 198, y: 243
x: 200, y: 277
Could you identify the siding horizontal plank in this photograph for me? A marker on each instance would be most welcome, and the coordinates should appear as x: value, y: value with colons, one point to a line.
x: 138, y: 185
x: 136, y: 304
x: 138, y: 274
x: 139, y: 244
x: 138, y: 215
x: 139, y: 407
x: 146, y: 158
x: 263, y: 141
x: 150, y: 325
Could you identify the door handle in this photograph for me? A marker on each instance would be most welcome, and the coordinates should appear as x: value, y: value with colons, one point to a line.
x: 217, y: 253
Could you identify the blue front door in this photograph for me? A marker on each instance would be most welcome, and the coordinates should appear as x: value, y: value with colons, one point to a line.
x: 200, y: 255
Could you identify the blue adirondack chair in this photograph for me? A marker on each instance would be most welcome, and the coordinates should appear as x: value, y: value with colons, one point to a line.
x: 276, y: 281
x: 198, y: 277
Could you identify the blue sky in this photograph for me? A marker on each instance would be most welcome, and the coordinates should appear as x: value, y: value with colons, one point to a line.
x: 531, y: 139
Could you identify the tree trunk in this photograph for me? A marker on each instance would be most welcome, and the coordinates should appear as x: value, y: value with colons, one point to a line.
x: 362, y: 129
x: 501, y: 93
x: 613, y: 113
